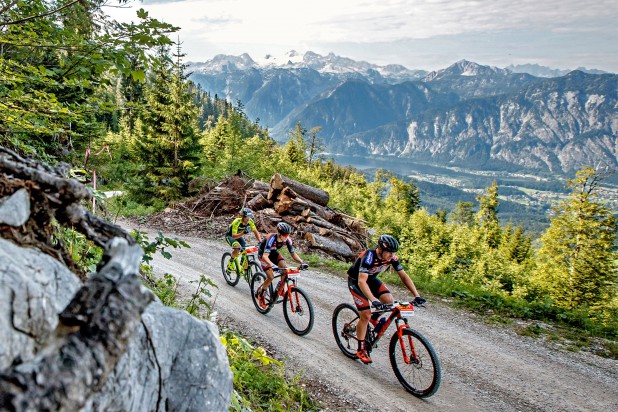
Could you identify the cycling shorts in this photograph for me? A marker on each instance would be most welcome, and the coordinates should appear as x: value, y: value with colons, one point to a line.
x: 376, y: 286
x: 274, y: 257
x: 236, y: 243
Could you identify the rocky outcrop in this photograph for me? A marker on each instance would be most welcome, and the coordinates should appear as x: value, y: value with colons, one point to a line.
x: 101, y: 344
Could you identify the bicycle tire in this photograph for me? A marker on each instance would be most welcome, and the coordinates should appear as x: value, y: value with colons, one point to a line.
x: 345, y: 319
x: 231, y: 277
x: 299, y: 320
x: 421, y: 377
x: 256, y: 281
x: 252, y: 270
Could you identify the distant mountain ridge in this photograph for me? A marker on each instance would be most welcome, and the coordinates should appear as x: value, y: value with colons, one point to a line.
x: 466, y: 114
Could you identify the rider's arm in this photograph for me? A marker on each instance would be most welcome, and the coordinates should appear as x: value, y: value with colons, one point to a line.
x: 408, y: 282
x: 364, y: 287
x: 255, y: 231
x: 296, y: 257
x: 235, y: 224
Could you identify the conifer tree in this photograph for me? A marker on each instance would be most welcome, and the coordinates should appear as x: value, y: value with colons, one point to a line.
x: 577, y: 260
x: 169, y: 147
x: 487, y: 216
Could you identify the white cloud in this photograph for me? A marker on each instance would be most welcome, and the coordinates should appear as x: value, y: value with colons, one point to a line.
x: 375, y: 27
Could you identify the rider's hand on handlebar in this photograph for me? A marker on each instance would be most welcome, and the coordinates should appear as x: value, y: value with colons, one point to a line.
x: 304, y: 265
x: 274, y: 267
x: 377, y: 304
x: 419, y: 300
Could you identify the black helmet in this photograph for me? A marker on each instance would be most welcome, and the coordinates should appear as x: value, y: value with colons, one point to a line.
x: 246, y: 212
x: 283, y: 228
x: 388, y: 243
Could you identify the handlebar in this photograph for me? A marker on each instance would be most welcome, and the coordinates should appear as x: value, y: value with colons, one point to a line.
x: 388, y: 307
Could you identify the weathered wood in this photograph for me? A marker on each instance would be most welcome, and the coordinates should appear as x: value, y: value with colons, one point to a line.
x: 258, y: 202
x: 336, y: 247
x: 260, y: 186
x: 278, y: 182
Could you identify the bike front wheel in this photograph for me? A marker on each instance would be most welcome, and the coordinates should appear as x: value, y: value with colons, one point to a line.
x: 298, y: 311
x: 252, y: 270
x: 257, y: 280
x: 230, y: 275
x: 345, y: 321
x: 421, y: 374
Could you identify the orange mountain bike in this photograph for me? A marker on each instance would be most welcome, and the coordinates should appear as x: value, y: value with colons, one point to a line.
x: 297, y: 308
x: 245, y: 265
x: 412, y: 357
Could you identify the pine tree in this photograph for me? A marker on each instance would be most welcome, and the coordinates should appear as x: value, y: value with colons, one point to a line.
x: 487, y: 216
x: 169, y: 148
x: 577, y: 260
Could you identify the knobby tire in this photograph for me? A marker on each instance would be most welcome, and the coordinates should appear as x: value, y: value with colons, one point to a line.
x: 231, y: 277
x: 300, y: 320
x: 422, y: 377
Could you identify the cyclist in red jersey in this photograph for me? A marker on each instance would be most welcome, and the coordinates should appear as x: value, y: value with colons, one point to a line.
x: 269, y: 255
x: 367, y: 290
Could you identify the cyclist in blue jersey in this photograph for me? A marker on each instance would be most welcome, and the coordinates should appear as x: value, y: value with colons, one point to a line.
x: 269, y: 255
x: 367, y: 290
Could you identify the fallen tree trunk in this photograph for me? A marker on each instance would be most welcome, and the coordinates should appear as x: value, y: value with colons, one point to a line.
x: 258, y: 202
x: 278, y: 182
x: 333, y: 246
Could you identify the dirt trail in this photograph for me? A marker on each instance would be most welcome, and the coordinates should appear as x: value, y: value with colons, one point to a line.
x: 485, y: 368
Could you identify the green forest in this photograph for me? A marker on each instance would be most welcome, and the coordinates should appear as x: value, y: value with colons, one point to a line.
x: 114, y: 99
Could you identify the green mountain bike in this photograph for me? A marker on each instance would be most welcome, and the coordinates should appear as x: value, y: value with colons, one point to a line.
x: 245, y: 265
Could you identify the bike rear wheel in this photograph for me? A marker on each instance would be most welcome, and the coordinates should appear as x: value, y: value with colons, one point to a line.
x: 345, y: 320
x: 422, y: 375
x: 298, y: 311
x: 256, y: 281
x: 230, y: 276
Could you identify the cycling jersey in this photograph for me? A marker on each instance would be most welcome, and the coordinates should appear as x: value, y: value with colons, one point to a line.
x: 271, y: 244
x: 368, y: 262
x: 237, y: 227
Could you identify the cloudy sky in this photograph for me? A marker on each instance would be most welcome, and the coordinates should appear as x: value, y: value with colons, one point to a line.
x: 419, y: 34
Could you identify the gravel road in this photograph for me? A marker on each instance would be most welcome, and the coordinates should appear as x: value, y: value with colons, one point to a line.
x: 484, y: 367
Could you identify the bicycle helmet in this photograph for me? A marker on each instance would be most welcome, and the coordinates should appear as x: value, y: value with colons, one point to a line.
x: 246, y: 212
x: 388, y: 243
x: 283, y: 228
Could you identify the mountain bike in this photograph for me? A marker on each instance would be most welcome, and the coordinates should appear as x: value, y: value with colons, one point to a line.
x: 297, y: 308
x: 246, y: 265
x: 412, y: 357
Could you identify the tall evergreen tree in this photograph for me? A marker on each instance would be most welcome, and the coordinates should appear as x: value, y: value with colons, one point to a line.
x: 487, y: 216
x: 169, y: 148
x: 577, y: 259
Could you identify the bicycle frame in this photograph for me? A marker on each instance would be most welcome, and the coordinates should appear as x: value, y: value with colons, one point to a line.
x: 400, y: 311
x: 247, y: 256
x: 288, y: 277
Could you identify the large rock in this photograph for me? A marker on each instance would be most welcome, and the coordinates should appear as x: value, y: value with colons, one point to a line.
x: 93, y: 342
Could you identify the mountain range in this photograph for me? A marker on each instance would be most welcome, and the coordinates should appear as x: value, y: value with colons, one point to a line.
x: 469, y: 115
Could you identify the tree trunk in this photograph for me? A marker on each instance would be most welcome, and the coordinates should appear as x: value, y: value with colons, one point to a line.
x: 258, y: 202
x: 333, y: 246
x: 278, y: 182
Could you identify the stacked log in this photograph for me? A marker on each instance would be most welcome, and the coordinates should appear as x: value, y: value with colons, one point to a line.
x: 305, y: 209
x: 283, y: 199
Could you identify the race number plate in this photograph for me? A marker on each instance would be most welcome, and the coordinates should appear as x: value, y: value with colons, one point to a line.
x: 406, y: 313
x: 293, y: 273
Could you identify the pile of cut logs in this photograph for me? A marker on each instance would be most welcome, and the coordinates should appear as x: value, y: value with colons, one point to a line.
x: 305, y: 209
